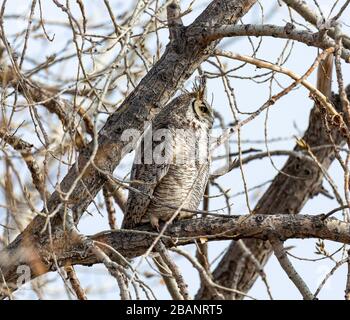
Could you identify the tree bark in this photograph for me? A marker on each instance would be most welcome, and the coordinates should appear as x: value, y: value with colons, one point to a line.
x: 133, y: 243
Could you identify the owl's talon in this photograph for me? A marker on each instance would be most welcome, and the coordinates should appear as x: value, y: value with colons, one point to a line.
x: 154, y: 222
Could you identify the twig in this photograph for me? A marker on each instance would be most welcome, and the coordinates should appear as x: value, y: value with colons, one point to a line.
x: 168, y: 278
x: 329, y: 274
x: 287, y: 266
x: 247, y: 253
x: 174, y: 270
x: 75, y: 283
x: 110, y: 208
x: 347, y: 288
x: 209, y: 282
x: 311, y: 16
x: 328, y: 214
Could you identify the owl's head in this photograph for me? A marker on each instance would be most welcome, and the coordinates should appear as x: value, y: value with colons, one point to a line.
x: 191, y: 108
x: 200, y: 107
x: 203, y: 111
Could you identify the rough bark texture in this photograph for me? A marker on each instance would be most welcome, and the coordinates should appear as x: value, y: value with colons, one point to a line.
x: 135, y: 243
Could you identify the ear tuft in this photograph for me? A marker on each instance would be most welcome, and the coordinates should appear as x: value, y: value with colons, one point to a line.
x: 199, y: 88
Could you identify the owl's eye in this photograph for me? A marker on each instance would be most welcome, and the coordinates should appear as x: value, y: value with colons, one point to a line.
x: 203, y: 108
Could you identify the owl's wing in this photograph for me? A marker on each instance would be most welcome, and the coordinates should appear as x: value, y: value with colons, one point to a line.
x: 145, y: 178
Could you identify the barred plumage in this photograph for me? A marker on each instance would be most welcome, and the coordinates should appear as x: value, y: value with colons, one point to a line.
x: 178, y: 171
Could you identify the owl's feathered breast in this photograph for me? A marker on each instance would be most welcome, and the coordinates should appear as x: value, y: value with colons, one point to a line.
x: 159, y: 187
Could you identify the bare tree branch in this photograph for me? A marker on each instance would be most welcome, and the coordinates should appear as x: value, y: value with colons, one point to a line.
x: 133, y: 243
x: 287, y: 266
x: 287, y: 32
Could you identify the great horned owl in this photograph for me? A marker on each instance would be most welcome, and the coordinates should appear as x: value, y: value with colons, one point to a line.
x: 170, y: 170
